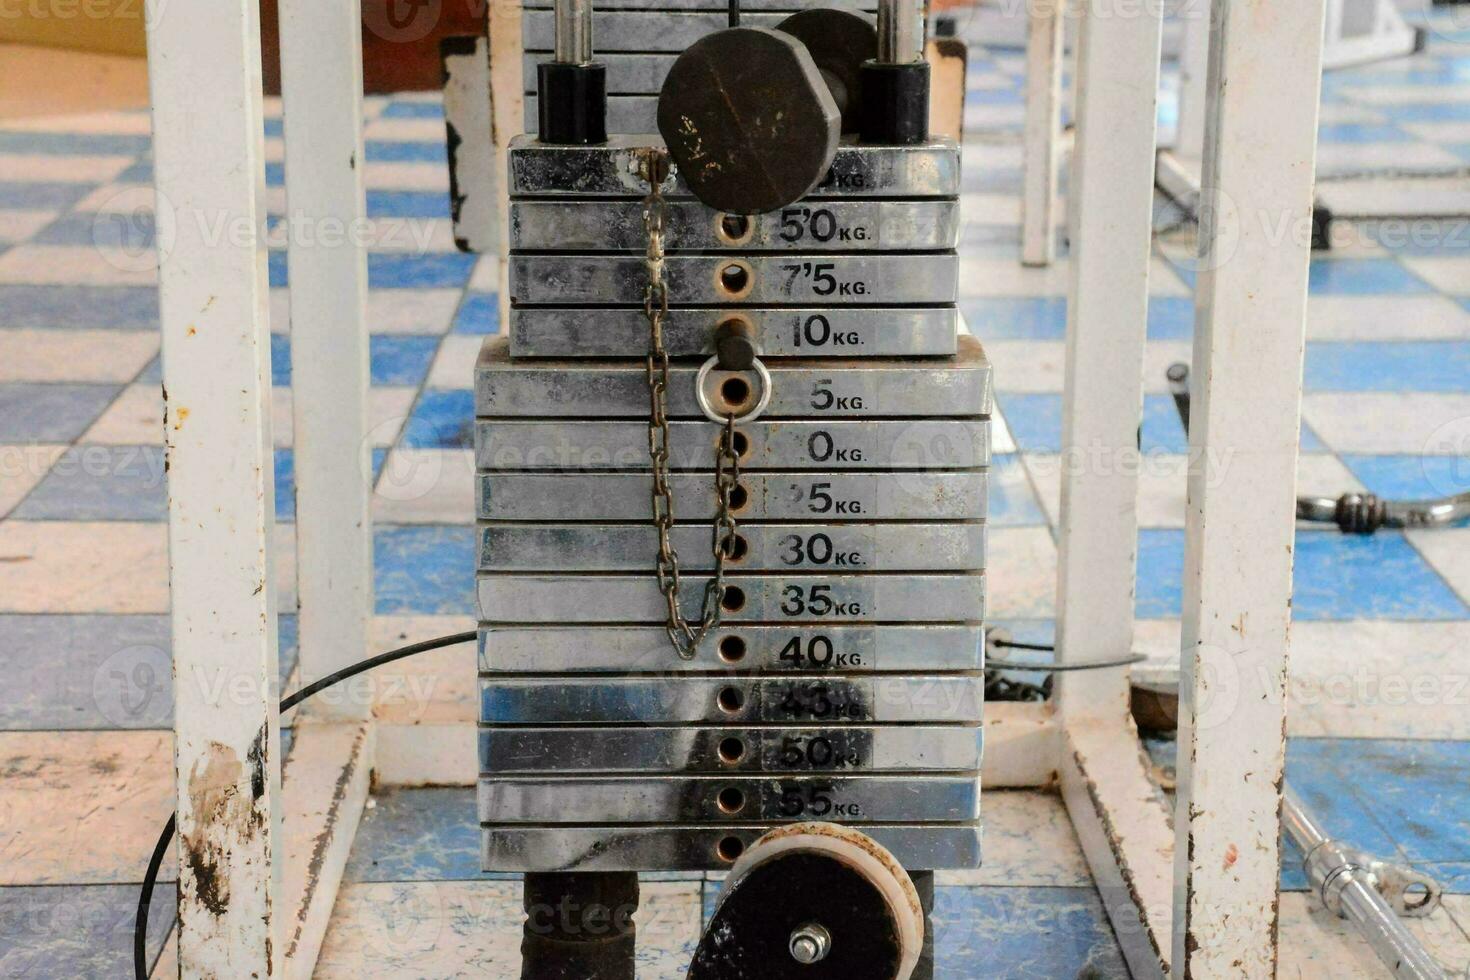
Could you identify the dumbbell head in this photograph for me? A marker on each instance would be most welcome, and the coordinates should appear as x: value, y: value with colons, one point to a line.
x: 749, y: 120
x: 839, y: 43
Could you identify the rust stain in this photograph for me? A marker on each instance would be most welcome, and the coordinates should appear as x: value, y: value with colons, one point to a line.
x: 180, y: 414
x: 1232, y: 854
x: 223, y: 818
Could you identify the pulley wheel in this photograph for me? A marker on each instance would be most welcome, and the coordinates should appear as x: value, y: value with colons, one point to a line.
x: 839, y: 43
x: 749, y: 120
x: 813, y: 901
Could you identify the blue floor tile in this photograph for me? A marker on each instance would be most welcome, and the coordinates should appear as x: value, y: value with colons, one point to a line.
x: 41, y: 196
x: 50, y: 412
x: 442, y: 419
x: 479, y: 313
x: 83, y: 307
x: 1432, y: 112
x: 1422, y: 236
x: 1012, y: 502
x: 432, y: 270
x: 275, y: 174
x: 418, y: 835
x: 1343, y: 577
x: 73, y: 144
x: 413, y: 110
x: 275, y: 128
x: 425, y: 570
x: 1361, y: 133
x: 1337, y: 577
x: 1170, y: 318
x: 152, y: 374
x: 1022, y: 318
x: 1163, y: 430
x: 1363, y: 277
x: 407, y: 204
x: 1411, y: 477
x: 1023, y: 934
x: 1440, y: 366
x: 1158, y: 592
x: 397, y: 359
x: 101, y: 483
x: 64, y: 932
x: 405, y: 151
x: 1034, y: 421
x: 96, y: 672
x: 133, y: 230
x: 1418, y: 791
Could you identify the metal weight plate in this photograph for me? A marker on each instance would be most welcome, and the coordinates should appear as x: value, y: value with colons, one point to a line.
x: 749, y: 598
x: 668, y: 749
x: 733, y: 799
x: 839, y: 444
x: 798, y: 649
x: 563, y: 700
x: 935, y: 496
x: 838, y: 226
x: 854, y: 279
x: 839, y: 42
x: 748, y: 120
x: 847, y: 332
x: 758, y: 548
x: 611, y: 170
x: 699, y: 848
x: 813, y: 388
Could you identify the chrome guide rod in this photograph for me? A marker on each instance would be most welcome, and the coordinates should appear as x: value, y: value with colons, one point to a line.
x: 900, y: 32
x: 1343, y: 880
x: 573, y: 32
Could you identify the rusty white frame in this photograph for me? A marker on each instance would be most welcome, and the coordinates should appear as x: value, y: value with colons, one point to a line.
x: 1197, y: 899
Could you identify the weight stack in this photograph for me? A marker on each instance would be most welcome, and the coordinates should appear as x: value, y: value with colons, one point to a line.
x: 844, y: 683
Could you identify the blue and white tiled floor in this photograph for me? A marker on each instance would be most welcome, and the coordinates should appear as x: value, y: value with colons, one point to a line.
x: 1381, y: 664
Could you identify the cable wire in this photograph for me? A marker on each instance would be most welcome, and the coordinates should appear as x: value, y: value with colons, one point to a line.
x: 160, y: 850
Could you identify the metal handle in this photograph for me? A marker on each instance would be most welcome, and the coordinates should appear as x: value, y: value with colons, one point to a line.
x: 573, y: 43
x: 900, y: 31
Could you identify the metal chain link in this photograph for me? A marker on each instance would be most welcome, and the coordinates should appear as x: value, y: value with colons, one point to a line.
x: 686, y: 637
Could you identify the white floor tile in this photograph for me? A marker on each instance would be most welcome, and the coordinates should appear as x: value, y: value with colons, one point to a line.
x: 1376, y: 422
x: 41, y: 563
x: 84, y: 807
x: 454, y: 365
x: 21, y: 468
x: 1386, y: 318
x: 19, y: 226
x: 75, y: 355
x: 62, y: 169
x: 135, y: 418
x: 426, y: 486
x: 388, y: 409
x: 1447, y: 274
x: 1027, y: 366
x: 66, y: 265
x: 1029, y: 842
x: 1020, y: 573
x: 1318, y: 943
x: 1448, y: 550
x: 406, y: 176
x: 415, y: 311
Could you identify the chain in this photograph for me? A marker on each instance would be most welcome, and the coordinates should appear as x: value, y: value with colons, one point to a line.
x: 686, y: 637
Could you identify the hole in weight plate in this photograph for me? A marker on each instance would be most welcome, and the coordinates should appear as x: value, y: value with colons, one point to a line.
x: 731, y: 800
x: 734, y: 599
x: 735, y: 279
x: 734, y: 228
x: 731, y: 750
x: 739, y: 498
x: 732, y: 649
x: 737, y: 548
x: 735, y: 392
x: 730, y: 848
x: 741, y: 445
x: 731, y: 699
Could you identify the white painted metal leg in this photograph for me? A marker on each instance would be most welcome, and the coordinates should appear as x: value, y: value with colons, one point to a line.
x: 204, y: 68
x: 1044, y: 43
x: 321, y: 79
x: 1265, y: 70
x: 1120, y: 820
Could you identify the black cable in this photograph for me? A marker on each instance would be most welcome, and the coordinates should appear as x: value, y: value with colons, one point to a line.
x: 734, y: 13
x: 996, y: 662
x: 160, y: 850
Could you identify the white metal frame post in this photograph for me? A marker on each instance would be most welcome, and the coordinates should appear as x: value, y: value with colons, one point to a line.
x: 1179, y: 166
x: 1119, y: 818
x: 1265, y: 76
x: 321, y: 81
x: 1045, y: 42
x: 208, y: 151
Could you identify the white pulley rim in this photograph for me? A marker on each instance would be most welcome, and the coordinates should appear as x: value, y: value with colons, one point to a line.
x: 709, y: 410
x: 865, y: 855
